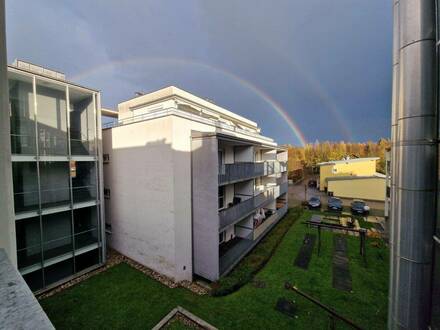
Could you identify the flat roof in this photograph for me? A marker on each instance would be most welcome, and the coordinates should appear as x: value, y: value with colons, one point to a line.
x: 172, y: 91
x: 346, y: 161
x: 42, y: 76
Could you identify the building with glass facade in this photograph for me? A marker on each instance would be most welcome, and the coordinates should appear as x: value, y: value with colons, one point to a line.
x: 56, y: 168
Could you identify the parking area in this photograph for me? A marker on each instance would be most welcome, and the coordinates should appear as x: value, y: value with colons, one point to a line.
x: 298, y: 193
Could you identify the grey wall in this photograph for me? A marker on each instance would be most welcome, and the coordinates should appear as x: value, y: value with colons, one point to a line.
x: 205, y: 208
x: 7, y: 228
x: 19, y: 309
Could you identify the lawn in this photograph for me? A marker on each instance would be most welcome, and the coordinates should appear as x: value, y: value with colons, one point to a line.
x: 123, y: 297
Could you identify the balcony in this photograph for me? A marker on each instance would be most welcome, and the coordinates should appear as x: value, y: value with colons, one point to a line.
x: 268, y: 223
x: 230, y: 173
x: 233, y: 251
x: 241, y: 210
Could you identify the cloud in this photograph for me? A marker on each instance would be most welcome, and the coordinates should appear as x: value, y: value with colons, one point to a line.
x: 327, y: 63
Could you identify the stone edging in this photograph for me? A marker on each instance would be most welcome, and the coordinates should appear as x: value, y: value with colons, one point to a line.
x: 115, y: 258
x: 180, y: 310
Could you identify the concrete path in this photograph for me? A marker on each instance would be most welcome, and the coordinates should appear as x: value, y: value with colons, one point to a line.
x: 305, y: 253
x: 341, y: 271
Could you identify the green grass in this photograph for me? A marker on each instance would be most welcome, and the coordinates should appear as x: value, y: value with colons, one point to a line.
x: 257, y: 259
x: 123, y: 297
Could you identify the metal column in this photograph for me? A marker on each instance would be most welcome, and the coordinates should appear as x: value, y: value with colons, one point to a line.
x: 414, y: 169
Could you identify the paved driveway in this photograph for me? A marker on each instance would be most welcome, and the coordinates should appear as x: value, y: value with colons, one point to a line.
x: 297, y: 194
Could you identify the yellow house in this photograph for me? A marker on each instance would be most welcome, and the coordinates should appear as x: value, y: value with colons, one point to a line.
x: 353, y: 178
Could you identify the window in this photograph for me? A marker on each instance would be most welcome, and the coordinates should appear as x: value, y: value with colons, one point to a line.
x: 84, y: 182
x: 221, y: 167
x: 25, y: 186
x: 106, y: 193
x: 82, y: 122
x: 55, y: 183
x: 221, y: 197
x: 21, y: 103
x: 52, y: 119
x: 221, y: 237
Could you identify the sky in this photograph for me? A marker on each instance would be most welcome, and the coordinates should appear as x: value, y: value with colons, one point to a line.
x: 304, y: 70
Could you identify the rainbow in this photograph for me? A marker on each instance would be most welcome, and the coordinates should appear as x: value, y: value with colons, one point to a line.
x: 293, y: 127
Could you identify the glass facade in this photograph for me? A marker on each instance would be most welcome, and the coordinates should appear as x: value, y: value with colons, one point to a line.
x: 55, y: 173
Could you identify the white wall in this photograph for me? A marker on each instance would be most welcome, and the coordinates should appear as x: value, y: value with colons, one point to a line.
x: 244, y: 153
x: 149, y: 176
x: 140, y: 178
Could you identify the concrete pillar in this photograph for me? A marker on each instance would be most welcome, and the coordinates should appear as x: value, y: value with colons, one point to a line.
x: 7, y: 225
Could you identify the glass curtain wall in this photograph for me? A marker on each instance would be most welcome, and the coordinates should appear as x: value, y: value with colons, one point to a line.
x: 54, y: 164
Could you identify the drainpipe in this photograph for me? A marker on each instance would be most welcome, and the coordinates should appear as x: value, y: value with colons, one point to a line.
x: 414, y: 157
x: 7, y: 225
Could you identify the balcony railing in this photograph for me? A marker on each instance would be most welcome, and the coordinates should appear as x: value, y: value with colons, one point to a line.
x: 241, y: 210
x: 239, y: 171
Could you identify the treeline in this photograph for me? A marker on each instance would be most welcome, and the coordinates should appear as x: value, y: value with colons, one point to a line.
x: 312, y: 154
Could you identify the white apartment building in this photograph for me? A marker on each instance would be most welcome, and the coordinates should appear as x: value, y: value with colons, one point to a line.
x: 191, y: 187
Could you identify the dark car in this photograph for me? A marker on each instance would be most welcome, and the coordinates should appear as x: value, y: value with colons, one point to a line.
x: 314, y: 202
x: 312, y: 183
x: 334, y: 204
x: 359, y: 207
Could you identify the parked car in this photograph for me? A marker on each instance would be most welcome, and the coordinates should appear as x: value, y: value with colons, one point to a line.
x: 359, y: 206
x: 314, y: 202
x: 334, y: 204
x: 312, y: 183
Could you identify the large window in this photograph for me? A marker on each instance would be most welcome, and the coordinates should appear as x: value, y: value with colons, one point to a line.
x: 86, y: 227
x: 82, y: 122
x: 28, y: 235
x: 21, y: 102
x: 54, y: 184
x: 52, y: 119
x: 25, y: 186
x: 83, y: 181
x: 57, y: 234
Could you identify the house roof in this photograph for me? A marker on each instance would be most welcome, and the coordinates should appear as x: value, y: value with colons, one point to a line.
x: 348, y: 161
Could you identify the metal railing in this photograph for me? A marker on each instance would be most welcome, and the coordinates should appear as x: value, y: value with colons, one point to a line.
x: 173, y: 111
x: 283, y: 188
x: 239, y: 171
x: 241, y: 210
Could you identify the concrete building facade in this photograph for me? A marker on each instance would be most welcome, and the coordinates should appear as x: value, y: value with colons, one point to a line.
x: 57, y: 181
x: 191, y: 186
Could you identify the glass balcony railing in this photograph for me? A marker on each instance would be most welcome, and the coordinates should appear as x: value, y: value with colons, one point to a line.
x: 229, y: 173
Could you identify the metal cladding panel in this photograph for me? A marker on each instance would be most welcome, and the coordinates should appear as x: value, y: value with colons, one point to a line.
x: 395, y: 96
x: 417, y: 80
x: 396, y: 40
x: 417, y: 129
x: 412, y: 290
x: 417, y: 21
x: 417, y: 167
x: 416, y: 208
